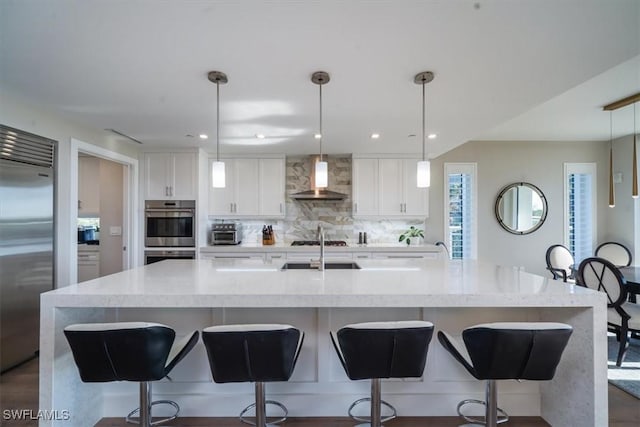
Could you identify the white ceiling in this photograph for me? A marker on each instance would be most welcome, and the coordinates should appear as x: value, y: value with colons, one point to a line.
x: 512, y: 70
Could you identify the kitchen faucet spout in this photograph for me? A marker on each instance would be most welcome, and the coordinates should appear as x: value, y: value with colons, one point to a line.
x: 320, y: 237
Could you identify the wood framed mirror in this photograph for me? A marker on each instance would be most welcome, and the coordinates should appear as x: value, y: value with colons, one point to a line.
x: 521, y: 208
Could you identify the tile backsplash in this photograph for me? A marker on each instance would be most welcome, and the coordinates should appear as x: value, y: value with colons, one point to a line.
x: 302, y: 217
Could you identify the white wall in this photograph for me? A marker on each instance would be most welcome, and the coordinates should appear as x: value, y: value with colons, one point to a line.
x: 505, y: 162
x: 35, y: 119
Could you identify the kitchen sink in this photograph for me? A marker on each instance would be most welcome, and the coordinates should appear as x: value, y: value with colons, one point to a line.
x: 327, y: 266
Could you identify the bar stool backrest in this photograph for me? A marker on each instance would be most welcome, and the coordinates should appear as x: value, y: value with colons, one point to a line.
x: 127, y: 351
x: 559, y: 260
x: 252, y: 353
x: 384, y: 349
x: 520, y: 351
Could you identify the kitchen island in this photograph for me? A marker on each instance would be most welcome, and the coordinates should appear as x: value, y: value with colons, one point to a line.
x: 188, y: 295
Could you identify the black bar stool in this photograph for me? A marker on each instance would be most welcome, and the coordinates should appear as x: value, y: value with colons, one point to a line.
x: 129, y: 351
x: 253, y: 353
x: 376, y: 350
x: 507, y: 351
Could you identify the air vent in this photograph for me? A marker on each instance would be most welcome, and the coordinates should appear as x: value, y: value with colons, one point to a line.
x: 24, y: 147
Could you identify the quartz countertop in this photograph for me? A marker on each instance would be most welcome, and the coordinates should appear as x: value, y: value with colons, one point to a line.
x: 380, y: 283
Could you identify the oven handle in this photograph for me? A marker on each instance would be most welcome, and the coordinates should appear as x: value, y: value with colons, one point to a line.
x: 172, y: 211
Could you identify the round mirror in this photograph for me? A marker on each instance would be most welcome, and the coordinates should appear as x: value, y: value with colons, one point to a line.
x: 521, y: 208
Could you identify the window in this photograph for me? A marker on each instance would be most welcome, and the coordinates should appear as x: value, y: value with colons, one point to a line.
x: 460, y: 210
x: 580, y: 209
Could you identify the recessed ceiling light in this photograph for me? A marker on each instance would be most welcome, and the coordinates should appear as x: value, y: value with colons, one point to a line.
x: 203, y: 136
x: 317, y: 136
x: 432, y: 136
x: 375, y: 135
x: 259, y: 135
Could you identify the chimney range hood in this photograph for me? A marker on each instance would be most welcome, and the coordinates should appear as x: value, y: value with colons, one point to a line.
x: 317, y: 193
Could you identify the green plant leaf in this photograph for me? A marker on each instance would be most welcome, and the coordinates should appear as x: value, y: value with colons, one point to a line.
x: 408, y: 241
x: 402, y: 236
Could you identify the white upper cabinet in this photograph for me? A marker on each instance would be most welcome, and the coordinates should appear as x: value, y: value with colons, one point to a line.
x: 365, y: 188
x: 386, y: 187
x: 254, y: 187
x: 88, y: 187
x: 171, y: 176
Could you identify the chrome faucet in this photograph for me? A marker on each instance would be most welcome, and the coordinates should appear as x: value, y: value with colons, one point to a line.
x: 319, y: 264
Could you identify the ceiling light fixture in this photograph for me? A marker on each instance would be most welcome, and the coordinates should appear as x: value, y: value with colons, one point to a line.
x: 612, y: 191
x: 260, y: 136
x: 375, y: 135
x: 432, y: 136
x: 203, y: 136
x: 217, y: 167
x: 424, y: 166
x: 634, y: 184
x: 632, y: 99
x: 322, y: 174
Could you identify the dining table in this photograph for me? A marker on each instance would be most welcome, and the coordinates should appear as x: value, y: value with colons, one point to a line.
x: 632, y: 276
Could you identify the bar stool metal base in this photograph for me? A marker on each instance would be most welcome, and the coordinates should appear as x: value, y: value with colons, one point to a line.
x: 145, y: 408
x: 261, y: 410
x: 375, y: 420
x: 491, y: 408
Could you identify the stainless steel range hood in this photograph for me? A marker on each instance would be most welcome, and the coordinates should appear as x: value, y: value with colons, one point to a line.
x: 317, y: 193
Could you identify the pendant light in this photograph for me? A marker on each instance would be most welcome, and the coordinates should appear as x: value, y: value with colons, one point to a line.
x: 612, y: 191
x: 217, y: 167
x: 634, y: 170
x: 424, y: 166
x: 321, y: 168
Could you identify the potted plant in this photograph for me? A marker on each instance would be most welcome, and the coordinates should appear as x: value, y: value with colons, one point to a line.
x: 412, y: 233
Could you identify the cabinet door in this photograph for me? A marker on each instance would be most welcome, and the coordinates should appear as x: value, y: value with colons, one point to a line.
x: 221, y: 199
x: 246, y: 177
x: 272, y: 188
x: 365, y: 187
x: 88, y: 186
x: 416, y: 200
x: 157, y: 174
x: 184, y: 176
x: 391, y: 183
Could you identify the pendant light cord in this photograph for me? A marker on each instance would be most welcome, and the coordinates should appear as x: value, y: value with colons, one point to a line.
x: 217, y: 120
x: 320, y: 85
x: 424, y: 142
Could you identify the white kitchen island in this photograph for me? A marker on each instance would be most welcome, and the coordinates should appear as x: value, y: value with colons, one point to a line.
x: 188, y: 295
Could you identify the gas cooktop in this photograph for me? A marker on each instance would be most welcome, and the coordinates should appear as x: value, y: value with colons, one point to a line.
x: 317, y: 243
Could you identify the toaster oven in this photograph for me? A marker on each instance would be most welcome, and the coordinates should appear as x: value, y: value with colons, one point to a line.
x: 225, y: 234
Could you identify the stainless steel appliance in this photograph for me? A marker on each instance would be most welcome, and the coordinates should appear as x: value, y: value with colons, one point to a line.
x: 226, y: 234
x: 26, y: 240
x: 156, y: 256
x: 170, y: 223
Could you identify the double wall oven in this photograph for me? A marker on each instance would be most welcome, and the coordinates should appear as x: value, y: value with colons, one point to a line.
x: 169, y: 224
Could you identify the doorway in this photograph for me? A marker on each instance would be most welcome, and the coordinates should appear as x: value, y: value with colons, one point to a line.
x: 104, y: 186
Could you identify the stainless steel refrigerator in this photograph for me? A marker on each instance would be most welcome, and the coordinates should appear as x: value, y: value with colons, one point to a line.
x: 26, y: 240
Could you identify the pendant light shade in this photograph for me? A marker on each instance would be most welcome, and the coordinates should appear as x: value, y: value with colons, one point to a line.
x: 424, y: 174
x: 217, y: 167
x: 424, y: 166
x: 218, y: 175
x: 322, y: 168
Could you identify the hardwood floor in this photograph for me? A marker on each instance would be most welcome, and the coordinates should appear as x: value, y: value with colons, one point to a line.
x: 19, y: 391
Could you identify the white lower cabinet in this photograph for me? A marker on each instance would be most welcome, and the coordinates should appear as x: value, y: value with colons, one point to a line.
x: 88, y: 265
x: 405, y: 255
x: 231, y: 255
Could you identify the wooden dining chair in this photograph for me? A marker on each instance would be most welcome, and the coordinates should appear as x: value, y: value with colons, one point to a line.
x: 623, y: 317
x: 615, y: 252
